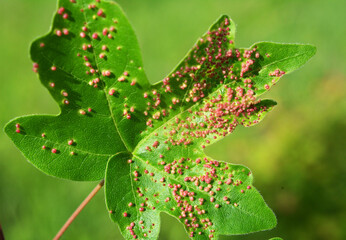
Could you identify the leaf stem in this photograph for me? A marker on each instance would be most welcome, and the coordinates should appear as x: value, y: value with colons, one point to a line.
x: 78, y: 210
x: 2, y: 236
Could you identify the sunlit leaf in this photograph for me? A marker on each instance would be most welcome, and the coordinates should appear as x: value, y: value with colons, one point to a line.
x: 148, y: 141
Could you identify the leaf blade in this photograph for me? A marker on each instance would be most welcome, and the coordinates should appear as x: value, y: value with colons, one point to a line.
x: 281, y: 57
x: 61, y: 59
x: 153, y: 137
x: 152, y: 191
x: 81, y: 161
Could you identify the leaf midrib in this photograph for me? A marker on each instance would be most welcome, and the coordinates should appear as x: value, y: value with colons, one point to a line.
x: 172, y: 118
x: 283, y: 59
x: 72, y: 148
x: 104, y: 91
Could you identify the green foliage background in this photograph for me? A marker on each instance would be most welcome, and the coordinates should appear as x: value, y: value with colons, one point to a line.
x: 297, y: 154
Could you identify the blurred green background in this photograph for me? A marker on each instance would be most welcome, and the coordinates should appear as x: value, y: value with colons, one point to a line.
x: 297, y: 154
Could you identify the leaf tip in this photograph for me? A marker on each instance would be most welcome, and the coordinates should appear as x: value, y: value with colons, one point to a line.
x: 312, y: 49
x: 226, y: 20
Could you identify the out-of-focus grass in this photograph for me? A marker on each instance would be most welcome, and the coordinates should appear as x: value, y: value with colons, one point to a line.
x: 297, y: 154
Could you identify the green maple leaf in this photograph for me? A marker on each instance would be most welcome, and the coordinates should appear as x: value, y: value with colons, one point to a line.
x: 147, y: 141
